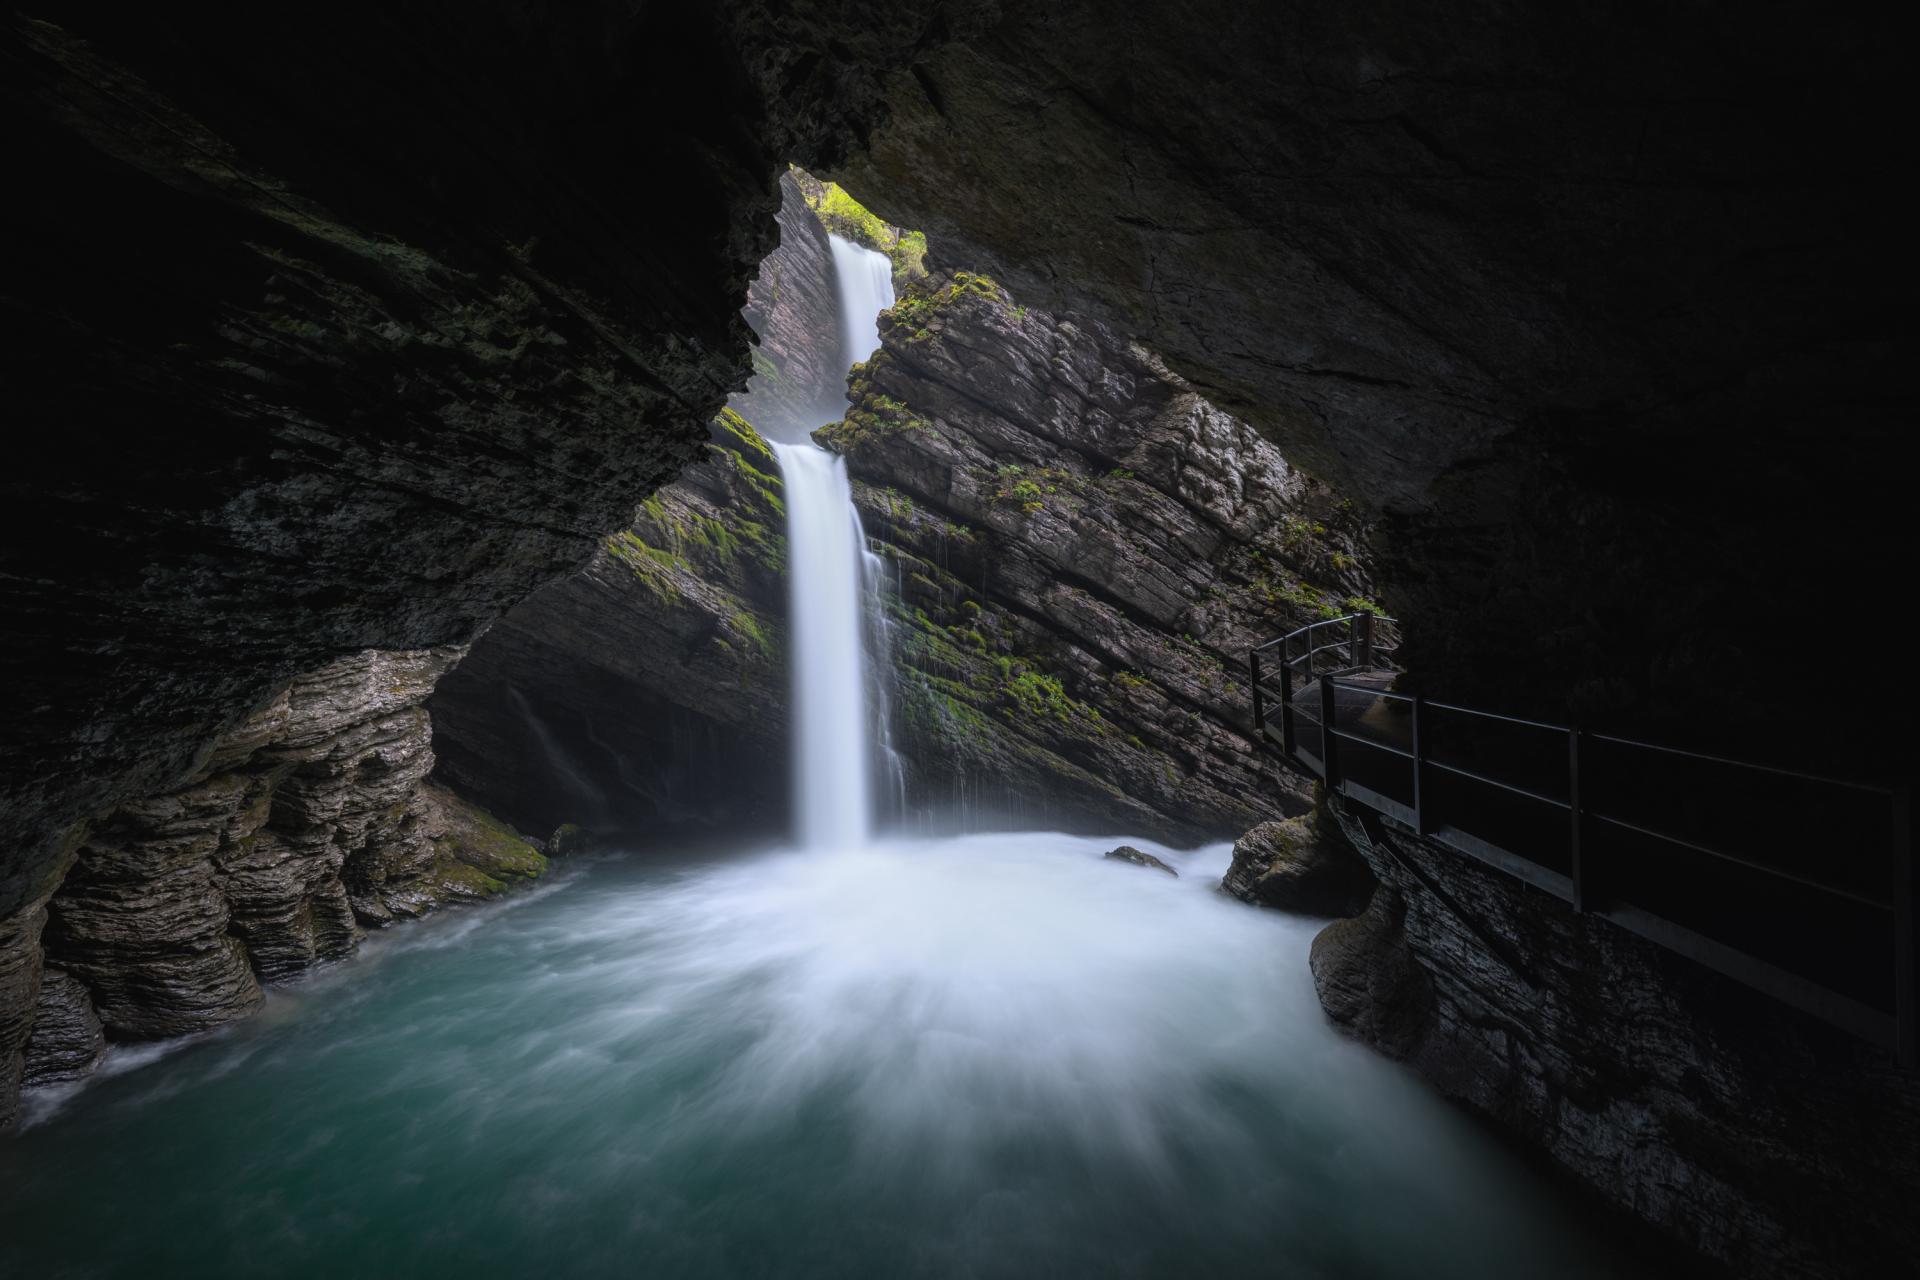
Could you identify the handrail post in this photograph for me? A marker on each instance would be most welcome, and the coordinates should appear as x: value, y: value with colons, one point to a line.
x: 1906, y: 948
x: 1327, y: 740
x: 1576, y: 856
x: 1286, y: 705
x: 1419, y: 769
x: 1259, y: 702
x: 1363, y: 641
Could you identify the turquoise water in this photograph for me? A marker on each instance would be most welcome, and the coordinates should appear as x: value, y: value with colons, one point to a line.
x: 987, y: 1056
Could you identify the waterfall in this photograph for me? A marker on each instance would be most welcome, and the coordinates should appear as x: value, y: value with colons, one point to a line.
x: 832, y: 764
x: 829, y: 571
x: 865, y: 280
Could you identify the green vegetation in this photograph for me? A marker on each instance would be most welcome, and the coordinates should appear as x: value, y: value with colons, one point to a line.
x: 656, y: 569
x: 844, y: 216
x: 748, y: 628
x: 874, y: 416
x: 916, y: 310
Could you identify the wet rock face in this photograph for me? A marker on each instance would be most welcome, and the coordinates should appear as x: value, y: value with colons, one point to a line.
x: 67, y: 1038
x: 1762, y: 1138
x: 649, y: 690
x: 1299, y: 865
x: 303, y: 827
x: 1575, y: 295
x: 1081, y: 551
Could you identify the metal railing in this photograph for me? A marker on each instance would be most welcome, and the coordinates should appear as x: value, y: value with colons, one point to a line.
x: 1633, y: 831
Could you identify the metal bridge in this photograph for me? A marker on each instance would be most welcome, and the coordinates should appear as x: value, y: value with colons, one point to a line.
x: 1798, y: 885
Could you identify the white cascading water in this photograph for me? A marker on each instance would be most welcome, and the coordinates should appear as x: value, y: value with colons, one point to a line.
x: 832, y: 785
x: 865, y: 281
x: 827, y: 561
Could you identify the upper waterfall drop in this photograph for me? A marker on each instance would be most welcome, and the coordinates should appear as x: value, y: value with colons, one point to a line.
x: 834, y: 760
x: 865, y: 280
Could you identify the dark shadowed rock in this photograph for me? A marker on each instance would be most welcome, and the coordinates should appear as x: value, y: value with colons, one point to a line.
x: 1139, y: 858
x: 649, y: 689
x: 1368, y: 979
x: 1302, y: 864
x: 1771, y: 1141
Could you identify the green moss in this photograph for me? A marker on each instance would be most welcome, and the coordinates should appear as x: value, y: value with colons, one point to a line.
x: 749, y: 628
x: 455, y: 879
x: 473, y: 848
x: 656, y: 569
x: 874, y: 416
x: 739, y: 434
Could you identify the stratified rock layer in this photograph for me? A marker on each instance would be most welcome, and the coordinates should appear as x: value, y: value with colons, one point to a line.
x: 1083, y: 551
x: 302, y: 827
x: 1764, y: 1139
x: 67, y: 1038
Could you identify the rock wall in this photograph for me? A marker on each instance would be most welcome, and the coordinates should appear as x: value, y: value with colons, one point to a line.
x: 1760, y: 1137
x: 332, y: 332
x: 1083, y: 551
x: 794, y: 309
x: 649, y: 690
x: 1589, y: 301
x: 298, y: 830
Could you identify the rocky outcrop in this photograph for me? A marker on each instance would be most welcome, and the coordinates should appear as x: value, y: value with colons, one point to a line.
x: 1139, y: 858
x: 650, y: 689
x: 793, y: 306
x: 301, y: 828
x: 1762, y: 1138
x: 1083, y: 551
x: 1299, y: 865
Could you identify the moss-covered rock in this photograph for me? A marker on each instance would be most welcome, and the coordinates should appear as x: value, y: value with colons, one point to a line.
x: 476, y: 854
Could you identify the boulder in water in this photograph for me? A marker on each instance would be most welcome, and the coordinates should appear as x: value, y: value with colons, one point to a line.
x: 568, y: 839
x: 1301, y: 864
x: 1127, y: 853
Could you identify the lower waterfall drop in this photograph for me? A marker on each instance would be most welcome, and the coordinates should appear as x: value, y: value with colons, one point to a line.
x: 832, y: 766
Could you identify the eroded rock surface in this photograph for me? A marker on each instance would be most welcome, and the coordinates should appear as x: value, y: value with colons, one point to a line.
x: 302, y: 828
x: 67, y: 1038
x: 1763, y: 1138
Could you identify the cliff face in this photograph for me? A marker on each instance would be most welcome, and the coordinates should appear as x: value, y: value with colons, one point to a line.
x: 1763, y: 1138
x: 651, y: 688
x: 794, y: 309
x: 1083, y: 551
x: 299, y: 829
